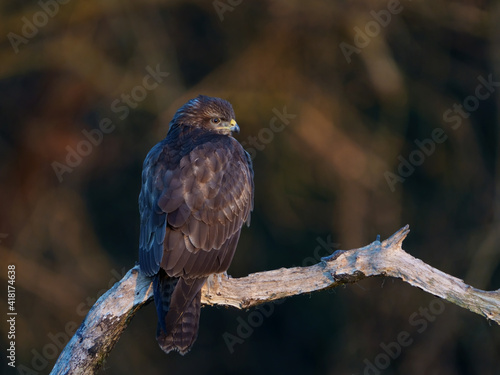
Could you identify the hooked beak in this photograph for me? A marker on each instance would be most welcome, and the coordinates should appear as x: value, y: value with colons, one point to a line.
x: 234, y: 126
x: 228, y: 127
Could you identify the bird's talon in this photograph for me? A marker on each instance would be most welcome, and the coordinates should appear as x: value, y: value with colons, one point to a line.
x: 334, y: 256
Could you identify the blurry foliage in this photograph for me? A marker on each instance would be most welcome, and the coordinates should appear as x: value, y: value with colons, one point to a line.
x: 322, y: 175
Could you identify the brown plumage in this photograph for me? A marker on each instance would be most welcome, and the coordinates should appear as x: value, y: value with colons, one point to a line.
x: 197, y: 192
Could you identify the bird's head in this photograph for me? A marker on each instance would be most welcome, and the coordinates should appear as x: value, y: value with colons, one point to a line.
x: 212, y: 114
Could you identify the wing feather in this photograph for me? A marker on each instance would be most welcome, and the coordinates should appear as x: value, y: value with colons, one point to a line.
x: 153, y: 219
x: 197, y: 206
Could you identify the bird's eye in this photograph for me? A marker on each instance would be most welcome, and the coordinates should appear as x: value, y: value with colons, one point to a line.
x: 215, y: 120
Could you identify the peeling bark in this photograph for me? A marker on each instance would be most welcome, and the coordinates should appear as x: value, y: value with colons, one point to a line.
x: 111, y: 314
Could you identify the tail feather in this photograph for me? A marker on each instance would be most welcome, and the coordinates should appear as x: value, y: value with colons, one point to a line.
x: 163, y: 289
x: 178, y: 323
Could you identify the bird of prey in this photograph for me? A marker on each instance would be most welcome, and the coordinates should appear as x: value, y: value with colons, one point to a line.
x: 197, y: 192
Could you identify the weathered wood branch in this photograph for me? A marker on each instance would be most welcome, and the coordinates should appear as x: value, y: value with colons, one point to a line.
x: 111, y: 314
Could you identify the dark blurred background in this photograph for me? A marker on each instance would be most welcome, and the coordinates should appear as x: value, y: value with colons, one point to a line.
x: 85, y: 94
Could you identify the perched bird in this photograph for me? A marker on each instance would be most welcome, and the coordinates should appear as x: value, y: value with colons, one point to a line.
x: 197, y: 192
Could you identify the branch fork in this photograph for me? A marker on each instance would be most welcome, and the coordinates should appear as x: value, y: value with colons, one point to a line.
x: 111, y: 314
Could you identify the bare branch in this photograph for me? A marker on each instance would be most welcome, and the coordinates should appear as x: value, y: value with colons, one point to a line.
x: 110, y: 315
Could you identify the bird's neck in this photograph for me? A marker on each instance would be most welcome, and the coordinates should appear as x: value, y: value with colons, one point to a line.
x: 183, y: 133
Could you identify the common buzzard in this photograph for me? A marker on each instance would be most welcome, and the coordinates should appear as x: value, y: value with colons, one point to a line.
x: 197, y: 191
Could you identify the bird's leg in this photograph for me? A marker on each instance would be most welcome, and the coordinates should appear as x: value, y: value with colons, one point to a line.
x: 334, y: 256
x: 215, y: 279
